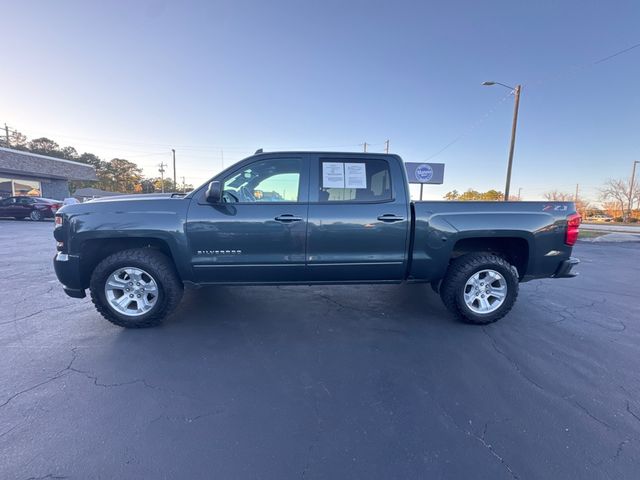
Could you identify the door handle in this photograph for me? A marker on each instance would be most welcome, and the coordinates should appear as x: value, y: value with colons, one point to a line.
x: 390, y: 217
x: 287, y: 218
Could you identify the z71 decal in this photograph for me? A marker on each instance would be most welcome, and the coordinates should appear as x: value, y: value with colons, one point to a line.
x: 554, y: 208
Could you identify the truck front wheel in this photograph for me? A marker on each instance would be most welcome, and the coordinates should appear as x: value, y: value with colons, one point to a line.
x: 479, y: 288
x: 135, y: 288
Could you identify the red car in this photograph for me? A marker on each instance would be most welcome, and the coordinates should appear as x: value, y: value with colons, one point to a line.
x: 35, y: 208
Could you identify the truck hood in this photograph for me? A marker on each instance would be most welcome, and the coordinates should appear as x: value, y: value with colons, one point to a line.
x: 137, y: 196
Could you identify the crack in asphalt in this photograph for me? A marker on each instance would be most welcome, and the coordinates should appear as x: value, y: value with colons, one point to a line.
x: 48, y: 476
x: 513, y: 363
x: 184, y: 418
x: 69, y: 368
x: 480, y: 438
x: 48, y: 309
x: 567, y: 398
x: 634, y: 415
x: 585, y: 410
x: 319, y: 430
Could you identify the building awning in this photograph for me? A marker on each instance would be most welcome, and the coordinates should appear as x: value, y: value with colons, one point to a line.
x: 17, y: 162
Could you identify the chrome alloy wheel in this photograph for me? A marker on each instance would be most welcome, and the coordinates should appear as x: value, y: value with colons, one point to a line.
x: 485, y: 291
x: 131, y: 291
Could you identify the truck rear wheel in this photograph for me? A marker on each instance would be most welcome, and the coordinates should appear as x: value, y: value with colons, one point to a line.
x: 479, y: 288
x: 135, y: 288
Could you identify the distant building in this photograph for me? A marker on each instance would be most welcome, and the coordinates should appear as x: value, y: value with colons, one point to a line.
x: 25, y: 173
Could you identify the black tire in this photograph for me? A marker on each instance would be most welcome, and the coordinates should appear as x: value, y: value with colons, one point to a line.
x: 36, y: 215
x: 461, y: 270
x: 161, y: 269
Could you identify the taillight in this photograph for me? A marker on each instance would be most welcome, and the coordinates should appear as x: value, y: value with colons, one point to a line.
x: 573, y: 228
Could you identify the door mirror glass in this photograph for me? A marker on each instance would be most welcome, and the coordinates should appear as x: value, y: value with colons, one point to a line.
x: 214, y: 192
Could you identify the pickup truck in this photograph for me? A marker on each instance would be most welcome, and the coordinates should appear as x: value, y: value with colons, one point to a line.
x: 307, y: 218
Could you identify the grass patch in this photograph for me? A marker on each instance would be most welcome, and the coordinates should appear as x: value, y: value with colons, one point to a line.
x: 586, y: 234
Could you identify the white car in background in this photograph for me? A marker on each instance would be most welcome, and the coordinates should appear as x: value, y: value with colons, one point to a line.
x: 600, y: 217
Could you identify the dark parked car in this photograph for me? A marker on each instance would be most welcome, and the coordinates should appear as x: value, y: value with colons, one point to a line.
x: 328, y: 218
x: 35, y: 208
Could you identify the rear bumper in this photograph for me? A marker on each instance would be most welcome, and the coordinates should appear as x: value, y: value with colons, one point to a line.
x: 67, y: 268
x: 565, y: 270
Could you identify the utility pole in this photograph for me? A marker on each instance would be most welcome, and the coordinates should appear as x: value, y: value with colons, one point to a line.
x: 575, y: 197
x: 386, y: 146
x: 6, y: 132
x: 183, y: 186
x: 519, y: 193
x: 365, y: 146
x: 161, y: 170
x: 516, y: 92
x: 631, y: 186
x: 175, y: 185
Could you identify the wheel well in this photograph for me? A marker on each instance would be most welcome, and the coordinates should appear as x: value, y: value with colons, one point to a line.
x: 96, y: 250
x: 513, y: 249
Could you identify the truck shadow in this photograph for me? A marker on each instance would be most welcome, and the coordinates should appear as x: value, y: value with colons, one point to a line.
x: 372, y: 306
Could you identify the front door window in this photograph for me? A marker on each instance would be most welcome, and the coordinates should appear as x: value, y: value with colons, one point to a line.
x: 273, y: 180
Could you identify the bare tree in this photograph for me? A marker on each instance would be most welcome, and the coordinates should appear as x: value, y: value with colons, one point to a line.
x: 556, y: 196
x: 619, y: 191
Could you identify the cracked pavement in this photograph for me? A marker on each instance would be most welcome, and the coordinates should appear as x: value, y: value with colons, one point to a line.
x: 320, y: 382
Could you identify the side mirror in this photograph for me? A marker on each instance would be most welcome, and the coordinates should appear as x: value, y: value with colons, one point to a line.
x: 214, y: 192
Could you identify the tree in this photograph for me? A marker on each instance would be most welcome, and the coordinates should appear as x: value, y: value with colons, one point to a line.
x: 619, y: 191
x: 122, y: 175
x: 17, y: 140
x: 69, y: 153
x: 556, y: 196
x: 45, y: 146
x: 469, y: 195
x: 452, y: 195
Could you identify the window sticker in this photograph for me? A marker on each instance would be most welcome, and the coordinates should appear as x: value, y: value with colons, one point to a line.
x: 333, y: 175
x: 355, y: 175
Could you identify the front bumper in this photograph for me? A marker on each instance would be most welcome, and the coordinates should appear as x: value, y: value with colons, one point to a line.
x: 566, y: 267
x: 67, y: 268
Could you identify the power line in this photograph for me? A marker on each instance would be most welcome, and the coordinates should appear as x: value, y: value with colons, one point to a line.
x: 609, y: 57
x: 470, y: 129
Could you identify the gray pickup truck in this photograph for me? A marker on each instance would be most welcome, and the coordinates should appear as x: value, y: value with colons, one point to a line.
x: 308, y: 218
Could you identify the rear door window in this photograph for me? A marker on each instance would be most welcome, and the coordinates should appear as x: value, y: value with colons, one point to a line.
x: 357, y: 180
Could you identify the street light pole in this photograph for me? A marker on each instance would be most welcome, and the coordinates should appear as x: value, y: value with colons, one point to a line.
x: 631, y: 182
x: 516, y: 92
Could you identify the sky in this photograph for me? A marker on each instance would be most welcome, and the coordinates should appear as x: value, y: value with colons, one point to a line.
x: 217, y: 80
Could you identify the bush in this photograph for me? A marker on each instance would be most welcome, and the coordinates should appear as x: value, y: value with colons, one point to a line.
x: 618, y: 219
x: 634, y: 220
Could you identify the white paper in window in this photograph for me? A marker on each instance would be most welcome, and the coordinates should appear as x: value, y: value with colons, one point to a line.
x: 355, y: 175
x: 332, y: 175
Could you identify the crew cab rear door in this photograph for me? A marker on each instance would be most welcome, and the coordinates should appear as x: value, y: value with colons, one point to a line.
x: 258, y: 233
x: 359, y: 219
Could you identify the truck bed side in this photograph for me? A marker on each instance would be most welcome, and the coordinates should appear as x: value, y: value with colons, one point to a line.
x: 531, y: 235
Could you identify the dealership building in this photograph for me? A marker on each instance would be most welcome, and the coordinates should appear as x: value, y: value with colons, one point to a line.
x: 25, y: 173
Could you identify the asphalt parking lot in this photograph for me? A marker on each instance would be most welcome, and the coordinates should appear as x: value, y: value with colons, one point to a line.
x: 320, y: 383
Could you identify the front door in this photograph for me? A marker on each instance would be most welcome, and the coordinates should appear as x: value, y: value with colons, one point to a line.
x: 359, y: 220
x: 258, y: 232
